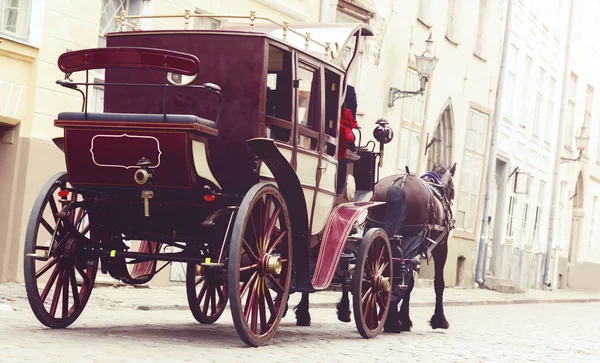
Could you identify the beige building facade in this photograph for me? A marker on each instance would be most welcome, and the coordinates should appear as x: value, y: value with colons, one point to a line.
x: 577, y: 229
x: 450, y: 122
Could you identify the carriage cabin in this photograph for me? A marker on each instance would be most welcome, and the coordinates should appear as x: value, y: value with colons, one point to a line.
x: 286, y: 84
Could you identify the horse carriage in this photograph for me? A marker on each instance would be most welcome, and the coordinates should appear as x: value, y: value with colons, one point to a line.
x: 218, y: 149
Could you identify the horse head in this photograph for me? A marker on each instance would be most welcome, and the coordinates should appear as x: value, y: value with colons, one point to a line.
x: 446, y: 175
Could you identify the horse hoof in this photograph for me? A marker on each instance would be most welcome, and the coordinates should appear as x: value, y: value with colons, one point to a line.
x: 406, y: 324
x: 439, y: 322
x: 302, y: 318
x: 344, y: 316
x: 393, y: 326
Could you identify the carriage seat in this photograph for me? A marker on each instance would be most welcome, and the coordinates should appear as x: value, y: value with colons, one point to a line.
x: 137, y: 117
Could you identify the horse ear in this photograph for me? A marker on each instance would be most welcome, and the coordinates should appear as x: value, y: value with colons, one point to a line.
x: 453, y: 169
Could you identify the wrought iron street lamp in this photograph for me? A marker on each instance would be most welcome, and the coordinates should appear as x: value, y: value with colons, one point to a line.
x: 426, y: 63
x: 581, y: 142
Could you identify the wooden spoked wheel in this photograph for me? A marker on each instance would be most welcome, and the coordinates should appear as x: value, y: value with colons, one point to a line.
x: 207, y: 293
x: 58, y: 276
x: 372, y: 283
x: 260, y: 261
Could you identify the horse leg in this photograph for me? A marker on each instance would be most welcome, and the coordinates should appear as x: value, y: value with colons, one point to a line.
x: 301, y: 310
x: 343, y: 307
x: 403, y: 315
x: 438, y: 320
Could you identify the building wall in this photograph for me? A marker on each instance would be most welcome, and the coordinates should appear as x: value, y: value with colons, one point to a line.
x: 527, y: 140
x: 461, y: 79
x: 577, y: 236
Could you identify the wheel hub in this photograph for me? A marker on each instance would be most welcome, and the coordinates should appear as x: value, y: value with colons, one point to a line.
x: 270, y: 265
x: 382, y: 283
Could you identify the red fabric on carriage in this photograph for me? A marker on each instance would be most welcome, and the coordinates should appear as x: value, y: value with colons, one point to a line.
x: 347, y: 123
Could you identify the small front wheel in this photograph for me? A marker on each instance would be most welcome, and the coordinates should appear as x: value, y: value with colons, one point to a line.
x: 59, y: 275
x: 372, y: 283
x: 260, y: 264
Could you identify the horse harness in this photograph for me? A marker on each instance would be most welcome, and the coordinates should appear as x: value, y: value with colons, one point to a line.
x: 434, y: 191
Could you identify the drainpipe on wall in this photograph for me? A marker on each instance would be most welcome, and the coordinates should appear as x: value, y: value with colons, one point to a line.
x: 324, y: 16
x: 491, y: 167
x: 560, y: 139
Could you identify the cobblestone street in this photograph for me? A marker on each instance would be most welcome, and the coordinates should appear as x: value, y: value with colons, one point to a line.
x: 560, y: 332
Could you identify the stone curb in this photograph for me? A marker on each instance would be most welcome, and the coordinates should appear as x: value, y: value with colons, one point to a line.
x: 420, y: 304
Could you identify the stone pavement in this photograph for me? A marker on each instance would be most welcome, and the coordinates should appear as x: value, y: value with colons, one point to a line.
x: 493, y: 333
x: 174, y: 297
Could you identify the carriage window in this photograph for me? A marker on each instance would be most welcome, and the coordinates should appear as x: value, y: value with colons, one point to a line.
x: 279, y: 95
x: 308, y: 107
x: 332, y: 111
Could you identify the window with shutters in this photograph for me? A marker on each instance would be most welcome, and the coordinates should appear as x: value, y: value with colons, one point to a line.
x: 471, y: 171
x: 413, y: 112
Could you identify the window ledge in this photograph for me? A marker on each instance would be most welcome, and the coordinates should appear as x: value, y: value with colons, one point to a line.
x: 6, y: 121
x: 451, y: 41
x: 423, y: 22
x: 17, y: 49
x: 479, y: 57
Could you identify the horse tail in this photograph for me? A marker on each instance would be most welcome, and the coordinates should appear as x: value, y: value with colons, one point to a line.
x: 395, y: 210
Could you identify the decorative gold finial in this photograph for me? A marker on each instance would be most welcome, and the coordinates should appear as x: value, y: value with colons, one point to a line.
x: 307, y: 37
x: 328, y: 49
x: 121, y: 20
x: 187, y: 14
x: 135, y: 27
x: 252, y: 18
x: 286, y: 25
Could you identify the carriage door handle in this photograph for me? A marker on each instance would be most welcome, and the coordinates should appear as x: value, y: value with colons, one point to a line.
x: 323, y: 168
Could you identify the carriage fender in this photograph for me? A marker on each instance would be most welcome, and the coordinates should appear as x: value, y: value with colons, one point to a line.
x: 291, y: 189
x: 337, y: 229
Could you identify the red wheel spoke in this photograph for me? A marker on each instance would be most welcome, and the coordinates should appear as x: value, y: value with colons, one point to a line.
x: 213, y: 300
x: 202, y: 278
x: 249, y: 251
x: 47, y: 226
x: 271, y: 227
x: 277, y: 242
x: 85, y: 229
x: 76, y: 300
x: 269, y: 300
x: 50, y: 282
x: 366, y: 294
x: 250, y: 300
x: 246, y: 284
x: 379, y: 258
x: 65, y: 295
x: 263, y: 313
x: 381, y: 304
x: 255, y: 305
x: 201, y: 295
x: 53, y: 207
x: 256, y: 236
x: 279, y: 288
x: 84, y: 275
x: 220, y: 293
x: 251, y: 267
x: 46, y: 267
x: 57, y: 289
x: 382, y: 268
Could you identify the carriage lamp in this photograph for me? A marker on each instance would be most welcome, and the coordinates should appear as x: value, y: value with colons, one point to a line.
x: 581, y: 142
x: 426, y: 63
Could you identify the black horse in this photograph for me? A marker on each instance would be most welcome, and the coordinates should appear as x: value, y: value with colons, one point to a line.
x: 424, y: 231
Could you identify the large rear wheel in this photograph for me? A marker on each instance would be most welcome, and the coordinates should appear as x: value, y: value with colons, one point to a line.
x: 260, y: 262
x: 372, y: 283
x: 59, y: 275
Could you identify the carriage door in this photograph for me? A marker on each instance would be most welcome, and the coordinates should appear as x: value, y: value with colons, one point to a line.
x: 308, y: 117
